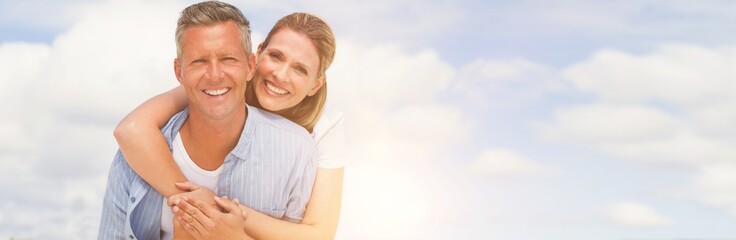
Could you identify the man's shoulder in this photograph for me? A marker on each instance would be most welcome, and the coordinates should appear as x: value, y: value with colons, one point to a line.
x: 121, y: 172
x: 174, y: 124
x: 267, y: 121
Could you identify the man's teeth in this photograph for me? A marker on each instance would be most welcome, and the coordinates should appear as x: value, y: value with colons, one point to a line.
x: 217, y: 92
x: 276, y: 90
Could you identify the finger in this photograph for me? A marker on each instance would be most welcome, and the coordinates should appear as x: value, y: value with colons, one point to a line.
x: 187, y: 186
x: 242, y: 209
x: 171, y: 201
x: 191, y: 227
x: 226, y: 204
x: 191, y: 213
x: 232, y: 207
x: 208, y: 210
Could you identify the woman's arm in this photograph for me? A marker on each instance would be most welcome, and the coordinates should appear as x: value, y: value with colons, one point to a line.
x: 144, y: 147
x: 320, y: 218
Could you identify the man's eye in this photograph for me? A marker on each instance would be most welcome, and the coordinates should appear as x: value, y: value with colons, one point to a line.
x: 301, y: 70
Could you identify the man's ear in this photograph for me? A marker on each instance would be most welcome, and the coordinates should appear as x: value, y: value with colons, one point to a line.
x: 251, y: 66
x: 317, y: 84
x: 177, y: 69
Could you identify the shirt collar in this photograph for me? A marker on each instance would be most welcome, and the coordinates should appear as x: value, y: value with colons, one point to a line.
x: 171, y: 129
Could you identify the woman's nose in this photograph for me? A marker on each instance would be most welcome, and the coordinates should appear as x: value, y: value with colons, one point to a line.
x: 281, y: 72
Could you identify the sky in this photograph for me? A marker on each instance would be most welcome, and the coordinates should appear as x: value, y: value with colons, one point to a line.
x: 528, y: 119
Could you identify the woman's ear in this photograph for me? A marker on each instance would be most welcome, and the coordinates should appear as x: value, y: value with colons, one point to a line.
x: 317, y: 85
x: 260, y: 49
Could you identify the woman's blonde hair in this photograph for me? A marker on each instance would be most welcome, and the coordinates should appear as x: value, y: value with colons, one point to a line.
x: 307, y: 112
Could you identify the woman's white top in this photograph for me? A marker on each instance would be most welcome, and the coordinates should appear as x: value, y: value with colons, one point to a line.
x: 329, y: 133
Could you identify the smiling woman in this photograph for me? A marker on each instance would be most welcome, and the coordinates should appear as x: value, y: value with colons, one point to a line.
x: 287, y: 70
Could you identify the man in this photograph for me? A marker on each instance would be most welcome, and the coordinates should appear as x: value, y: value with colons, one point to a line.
x: 238, y: 151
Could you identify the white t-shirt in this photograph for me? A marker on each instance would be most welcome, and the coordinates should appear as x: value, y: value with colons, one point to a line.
x: 329, y: 134
x: 195, y: 174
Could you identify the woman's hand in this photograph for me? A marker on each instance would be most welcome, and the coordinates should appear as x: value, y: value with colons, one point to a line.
x: 206, y: 222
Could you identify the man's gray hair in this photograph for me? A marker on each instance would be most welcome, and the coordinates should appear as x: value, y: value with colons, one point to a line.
x: 210, y: 13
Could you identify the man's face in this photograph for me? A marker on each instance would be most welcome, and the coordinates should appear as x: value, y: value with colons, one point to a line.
x: 213, y: 69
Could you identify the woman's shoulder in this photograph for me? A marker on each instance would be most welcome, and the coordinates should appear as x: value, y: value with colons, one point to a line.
x: 329, y: 133
x: 328, y: 120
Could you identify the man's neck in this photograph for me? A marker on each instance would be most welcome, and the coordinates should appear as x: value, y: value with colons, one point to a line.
x: 209, y: 141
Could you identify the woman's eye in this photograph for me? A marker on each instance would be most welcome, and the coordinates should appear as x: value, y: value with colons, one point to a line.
x: 275, y: 56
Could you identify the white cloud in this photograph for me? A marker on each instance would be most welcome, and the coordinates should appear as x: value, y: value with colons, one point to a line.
x: 681, y: 75
x: 715, y: 185
x: 400, y: 20
x: 608, y: 123
x: 109, y: 51
x: 623, y: 21
x: 716, y: 119
x: 383, y: 75
x: 56, y: 14
x: 389, y: 98
x: 633, y: 214
x: 61, y: 102
x: 505, y: 162
x: 14, y: 138
x: 397, y: 132
x: 671, y: 106
x: 683, y: 149
x: 636, y: 131
x: 514, y: 82
x: 429, y: 125
x: 27, y: 59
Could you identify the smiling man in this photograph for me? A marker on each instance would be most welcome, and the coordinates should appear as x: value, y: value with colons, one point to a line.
x: 214, y: 141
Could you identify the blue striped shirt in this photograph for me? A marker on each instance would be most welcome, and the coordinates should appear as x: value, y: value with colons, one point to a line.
x: 271, y: 170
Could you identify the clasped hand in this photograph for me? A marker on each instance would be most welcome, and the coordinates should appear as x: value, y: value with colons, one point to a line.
x: 206, y: 216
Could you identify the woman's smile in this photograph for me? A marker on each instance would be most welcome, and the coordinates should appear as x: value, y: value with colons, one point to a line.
x: 275, y: 89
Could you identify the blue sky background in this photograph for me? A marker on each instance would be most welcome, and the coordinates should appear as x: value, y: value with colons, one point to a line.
x: 467, y: 119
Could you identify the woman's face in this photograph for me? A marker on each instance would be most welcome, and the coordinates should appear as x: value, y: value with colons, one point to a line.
x: 286, y: 71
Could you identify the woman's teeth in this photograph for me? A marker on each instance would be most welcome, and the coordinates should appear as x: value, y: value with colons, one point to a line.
x: 217, y: 92
x: 276, y: 90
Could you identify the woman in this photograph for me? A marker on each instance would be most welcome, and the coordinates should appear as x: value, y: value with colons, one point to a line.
x: 290, y: 81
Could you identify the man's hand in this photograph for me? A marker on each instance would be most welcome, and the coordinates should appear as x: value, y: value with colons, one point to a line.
x: 193, y: 191
x: 205, y: 222
x: 179, y: 232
